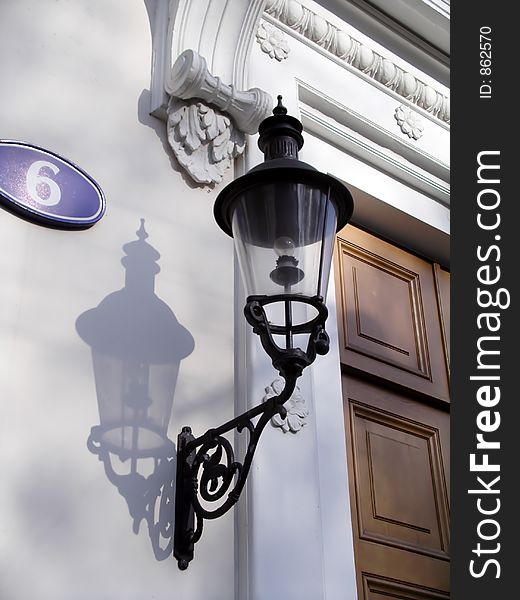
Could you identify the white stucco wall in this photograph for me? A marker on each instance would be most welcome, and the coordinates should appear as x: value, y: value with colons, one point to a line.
x: 74, y: 79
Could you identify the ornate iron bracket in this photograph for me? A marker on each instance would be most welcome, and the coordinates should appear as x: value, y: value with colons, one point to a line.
x: 206, y: 466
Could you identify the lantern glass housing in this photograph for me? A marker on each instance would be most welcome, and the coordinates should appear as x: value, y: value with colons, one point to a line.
x: 283, y: 215
x: 284, y: 237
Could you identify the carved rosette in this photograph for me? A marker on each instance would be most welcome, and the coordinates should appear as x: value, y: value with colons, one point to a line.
x: 409, y: 122
x: 339, y: 43
x: 297, y: 412
x: 272, y: 41
x: 207, y: 119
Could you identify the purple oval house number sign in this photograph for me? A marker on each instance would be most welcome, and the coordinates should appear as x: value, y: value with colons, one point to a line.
x: 47, y: 188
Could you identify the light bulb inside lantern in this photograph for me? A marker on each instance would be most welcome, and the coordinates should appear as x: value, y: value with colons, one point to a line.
x: 284, y: 246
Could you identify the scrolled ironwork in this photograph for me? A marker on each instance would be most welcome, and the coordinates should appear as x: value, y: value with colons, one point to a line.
x: 206, y: 466
x: 213, y: 470
x: 201, y: 475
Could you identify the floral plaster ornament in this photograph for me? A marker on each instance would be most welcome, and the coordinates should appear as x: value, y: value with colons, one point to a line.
x: 297, y: 412
x: 409, y: 122
x: 272, y: 41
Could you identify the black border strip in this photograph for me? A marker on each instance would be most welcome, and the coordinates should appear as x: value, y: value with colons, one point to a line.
x: 483, y: 120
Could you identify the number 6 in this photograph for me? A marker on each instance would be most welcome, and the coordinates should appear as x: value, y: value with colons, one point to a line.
x: 33, y: 179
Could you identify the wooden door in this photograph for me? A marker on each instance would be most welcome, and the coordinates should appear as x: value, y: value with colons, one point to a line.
x: 394, y: 323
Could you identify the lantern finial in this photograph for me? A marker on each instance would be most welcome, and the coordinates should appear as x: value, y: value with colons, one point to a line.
x: 279, y: 109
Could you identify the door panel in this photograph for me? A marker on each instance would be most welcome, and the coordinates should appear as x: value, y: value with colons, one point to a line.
x: 400, y: 479
x: 395, y: 362
x: 398, y: 467
x: 377, y: 588
x: 391, y: 326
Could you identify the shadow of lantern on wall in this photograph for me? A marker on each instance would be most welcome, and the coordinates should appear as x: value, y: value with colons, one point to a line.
x: 283, y: 216
x: 137, y: 345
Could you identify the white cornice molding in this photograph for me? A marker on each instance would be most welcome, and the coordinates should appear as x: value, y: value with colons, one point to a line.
x: 374, y: 144
x: 359, y: 56
x: 379, y: 157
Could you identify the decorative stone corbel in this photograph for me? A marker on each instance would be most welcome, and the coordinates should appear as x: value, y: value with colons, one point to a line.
x: 207, y: 119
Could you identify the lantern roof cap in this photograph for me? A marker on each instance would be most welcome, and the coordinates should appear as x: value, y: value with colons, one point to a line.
x: 280, y: 135
x: 283, y: 170
x: 280, y: 139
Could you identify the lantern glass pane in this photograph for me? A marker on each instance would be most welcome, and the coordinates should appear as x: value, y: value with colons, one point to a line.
x: 284, y: 236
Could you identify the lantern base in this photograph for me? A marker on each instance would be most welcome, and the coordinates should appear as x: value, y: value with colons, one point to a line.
x: 290, y: 360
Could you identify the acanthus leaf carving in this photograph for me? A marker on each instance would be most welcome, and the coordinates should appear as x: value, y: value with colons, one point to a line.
x: 204, y: 140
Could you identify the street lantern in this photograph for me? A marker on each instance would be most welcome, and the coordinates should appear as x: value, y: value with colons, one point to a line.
x: 283, y: 216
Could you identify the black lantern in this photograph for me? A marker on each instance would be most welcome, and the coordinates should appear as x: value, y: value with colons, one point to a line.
x: 283, y: 216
